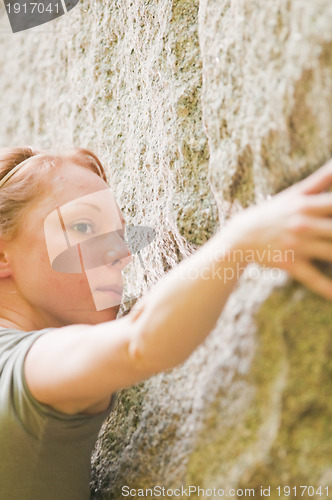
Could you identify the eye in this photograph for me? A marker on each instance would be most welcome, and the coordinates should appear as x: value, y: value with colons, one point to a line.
x: 83, y: 228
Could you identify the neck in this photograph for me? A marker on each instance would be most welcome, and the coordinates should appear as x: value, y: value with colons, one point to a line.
x: 16, y: 312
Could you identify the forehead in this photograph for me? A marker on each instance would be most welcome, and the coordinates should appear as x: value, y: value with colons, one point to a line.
x: 70, y: 180
x: 74, y: 186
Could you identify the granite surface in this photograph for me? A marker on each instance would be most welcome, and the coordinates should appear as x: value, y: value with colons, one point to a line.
x: 198, y: 110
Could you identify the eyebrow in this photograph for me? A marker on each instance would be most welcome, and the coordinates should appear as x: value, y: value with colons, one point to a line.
x: 89, y: 205
x: 98, y: 208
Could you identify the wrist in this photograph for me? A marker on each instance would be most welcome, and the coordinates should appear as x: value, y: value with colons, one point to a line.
x: 234, y: 241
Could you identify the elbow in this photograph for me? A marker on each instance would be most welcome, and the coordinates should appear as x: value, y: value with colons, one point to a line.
x: 145, y: 347
x: 135, y: 354
x: 142, y: 362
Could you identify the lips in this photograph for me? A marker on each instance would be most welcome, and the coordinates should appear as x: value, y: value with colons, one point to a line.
x: 111, y: 288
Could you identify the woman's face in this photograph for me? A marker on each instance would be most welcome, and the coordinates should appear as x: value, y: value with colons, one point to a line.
x: 69, y: 251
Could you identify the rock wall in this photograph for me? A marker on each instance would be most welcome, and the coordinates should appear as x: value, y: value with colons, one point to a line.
x: 198, y: 110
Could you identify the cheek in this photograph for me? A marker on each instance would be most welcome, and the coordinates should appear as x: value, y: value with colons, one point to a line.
x: 65, y: 293
x: 44, y: 286
x: 68, y: 282
x: 65, y: 285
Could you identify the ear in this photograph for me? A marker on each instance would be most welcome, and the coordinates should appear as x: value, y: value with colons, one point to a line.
x: 5, y: 267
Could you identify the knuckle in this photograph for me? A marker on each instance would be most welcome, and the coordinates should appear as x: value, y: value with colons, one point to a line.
x: 303, y: 206
x: 298, y: 224
x: 290, y: 241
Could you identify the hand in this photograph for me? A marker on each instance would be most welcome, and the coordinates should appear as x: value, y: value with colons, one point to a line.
x: 291, y: 229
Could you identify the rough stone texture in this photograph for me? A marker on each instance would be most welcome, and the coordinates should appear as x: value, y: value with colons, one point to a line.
x: 198, y: 113
x: 124, y: 80
x: 267, y: 73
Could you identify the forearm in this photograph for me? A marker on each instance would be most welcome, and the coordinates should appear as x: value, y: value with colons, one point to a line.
x: 177, y: 314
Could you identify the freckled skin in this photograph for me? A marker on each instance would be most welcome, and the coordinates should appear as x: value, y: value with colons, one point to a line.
x: 47, y: 297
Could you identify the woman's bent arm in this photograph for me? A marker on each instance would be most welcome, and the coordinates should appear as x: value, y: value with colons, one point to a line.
x: 75, y: 367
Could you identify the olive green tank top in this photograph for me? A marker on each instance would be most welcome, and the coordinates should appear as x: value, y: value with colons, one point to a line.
x: 44, y: 454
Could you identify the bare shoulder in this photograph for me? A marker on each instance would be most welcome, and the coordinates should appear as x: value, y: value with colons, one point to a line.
x: 76, y: 369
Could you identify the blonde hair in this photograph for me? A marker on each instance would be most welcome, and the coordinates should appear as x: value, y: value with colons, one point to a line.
x: 26, y: 185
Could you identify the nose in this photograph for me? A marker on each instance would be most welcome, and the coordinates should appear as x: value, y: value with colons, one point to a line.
x: 117, y: 252
x: 105, y: 249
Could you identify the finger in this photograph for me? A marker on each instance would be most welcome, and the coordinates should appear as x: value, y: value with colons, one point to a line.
x: 318, y: 204
x: 308, y: 275
x: 316, y: 226
x: 318, y: 181
x: 316, y: 249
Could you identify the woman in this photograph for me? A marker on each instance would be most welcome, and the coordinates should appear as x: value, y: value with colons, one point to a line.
x: 63, y: 357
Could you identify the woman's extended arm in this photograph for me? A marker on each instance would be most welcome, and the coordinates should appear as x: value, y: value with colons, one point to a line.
x: 76, y: 367
x: 286, y: 232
